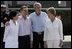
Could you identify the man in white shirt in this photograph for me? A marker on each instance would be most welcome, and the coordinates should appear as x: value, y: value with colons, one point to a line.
x: 38, y: 22
x: 24, y: 28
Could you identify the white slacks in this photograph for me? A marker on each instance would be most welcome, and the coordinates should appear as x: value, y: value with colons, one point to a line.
x: 53, y: 43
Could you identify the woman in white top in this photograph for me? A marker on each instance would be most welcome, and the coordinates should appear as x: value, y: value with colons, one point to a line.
x: 11, y: 32
x: 53, y: 34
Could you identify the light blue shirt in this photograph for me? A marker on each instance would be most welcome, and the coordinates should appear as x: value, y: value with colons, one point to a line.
x: 38, y: 22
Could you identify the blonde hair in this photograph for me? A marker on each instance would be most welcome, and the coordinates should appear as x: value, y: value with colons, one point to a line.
x: 51, y: 10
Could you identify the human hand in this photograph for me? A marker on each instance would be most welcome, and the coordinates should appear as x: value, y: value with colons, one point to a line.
x: 45, y: 44
x: 61, y: 43
x: 7, y: 23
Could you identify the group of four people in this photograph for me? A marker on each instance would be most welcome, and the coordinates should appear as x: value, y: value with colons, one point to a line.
x: 37, y: 29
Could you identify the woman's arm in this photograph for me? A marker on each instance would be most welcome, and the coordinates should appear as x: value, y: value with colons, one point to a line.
x: 61, y: 33
x: 7, y: 30
x: 61, y: 30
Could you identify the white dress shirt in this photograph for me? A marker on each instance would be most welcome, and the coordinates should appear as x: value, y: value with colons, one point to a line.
x: 53, y: 30
x: 11, y: 35
x: 24, y: 26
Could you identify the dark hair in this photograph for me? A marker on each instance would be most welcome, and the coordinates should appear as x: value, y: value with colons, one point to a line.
x: 23, y: 7
x: 52, y: 10
x: 12, y: 14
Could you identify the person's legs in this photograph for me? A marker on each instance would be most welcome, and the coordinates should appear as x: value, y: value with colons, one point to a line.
x: 56, y: 43
x: 2, y: 35
x: 24, y: 41
x: 49, y: 44
x: 21, y: 42
x: 35, y: 40
x: 41, y: 40
x: 27, y: 42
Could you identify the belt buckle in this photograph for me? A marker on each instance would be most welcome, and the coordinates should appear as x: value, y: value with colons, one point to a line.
x: 39, y: 32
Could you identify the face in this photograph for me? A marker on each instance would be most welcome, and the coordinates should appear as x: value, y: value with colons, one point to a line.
x: 37, y: 8
x: 3, y: 9
x: 24, y: 12
x: 50, y: 15
x: 15, y: 18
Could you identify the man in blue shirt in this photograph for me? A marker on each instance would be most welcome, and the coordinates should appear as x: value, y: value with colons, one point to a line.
x: 38, y: 19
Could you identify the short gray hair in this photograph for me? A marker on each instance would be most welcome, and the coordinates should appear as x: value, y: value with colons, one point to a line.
x: 37, y: 3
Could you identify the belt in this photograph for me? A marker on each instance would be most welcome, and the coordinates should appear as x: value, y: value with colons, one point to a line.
x: 39, y: 32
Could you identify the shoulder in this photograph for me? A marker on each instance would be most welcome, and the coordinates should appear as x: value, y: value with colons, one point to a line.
x: 58, y: 20
x: 19, y: 17
x: 32, y: 14
x: 8, y: 23
x: 28, y: 18
x: 43, y: 13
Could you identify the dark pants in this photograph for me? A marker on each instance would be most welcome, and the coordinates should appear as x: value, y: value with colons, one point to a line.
x: 38, y: 39
x: 24, y: 41
x: 2, y: 35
